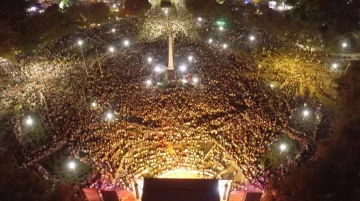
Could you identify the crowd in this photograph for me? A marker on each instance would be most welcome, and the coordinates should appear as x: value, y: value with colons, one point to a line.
x: 126, y: 127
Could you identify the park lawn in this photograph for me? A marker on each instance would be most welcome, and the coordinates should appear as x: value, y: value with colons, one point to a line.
x: 57, y: 164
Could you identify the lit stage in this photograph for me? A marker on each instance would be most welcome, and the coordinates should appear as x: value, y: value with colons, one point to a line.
x: 223, y: 185
x: 183, y: 174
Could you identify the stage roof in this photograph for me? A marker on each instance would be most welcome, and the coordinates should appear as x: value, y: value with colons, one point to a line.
x: 180, y: 190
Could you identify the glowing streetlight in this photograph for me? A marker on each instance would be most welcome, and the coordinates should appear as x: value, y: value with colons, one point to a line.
x: 29, y: 121
x: 282, y: 148
x: 113, y: 30
x: 111, y: 49
x: 344, y: 45
x: 334, y: 65
x: 190, y: 58
x: 199, y: 19
x: 195, y: 80
x: 166, y: 12
x: 148, y: 82
x: 109, y: 116
x: 252, y: 38
x: 182, y: 68
x: 80, y: 42
x: 225, y: 46
x: 126, y: 42
x: 210, y: 40
x: 72, y: 165
x: 93, y: 104
x: 221, y: 28
x: 158, y: 69
x: 149, y: 59
x: 306, y: 113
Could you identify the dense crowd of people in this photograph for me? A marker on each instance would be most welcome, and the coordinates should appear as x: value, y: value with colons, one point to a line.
x: 125, y: 121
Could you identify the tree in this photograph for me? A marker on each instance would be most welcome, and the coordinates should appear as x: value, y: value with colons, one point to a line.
x: 334, y: 173
x: 98, y: 12
x: 136, y: 7
x: 10, y: 39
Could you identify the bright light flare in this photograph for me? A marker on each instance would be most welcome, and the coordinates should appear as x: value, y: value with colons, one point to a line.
x: 93, y: 104
x: 109, y: 116
x: 282, y: 147
x: 72, y: 165
x: 126, y: 42
x: 148, y: 82
x: 195, y: 80
x: 190, y: 58
x: 158, y: 69
x: 111, y: 49
x: 306, y: 113
x: 344, y: 45
x: 199, y: 19
x: 252, y: 38
x: 182, y: 68
x: 210, y: 40
x: 225, y: 46
x: 149, y: 59
x: 334, y: 65
x: 221, y: 28
x: 80, y: 42
x: 113, y: 30
x: 29, y: 121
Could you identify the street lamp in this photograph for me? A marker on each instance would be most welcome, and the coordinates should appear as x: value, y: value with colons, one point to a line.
x: 334, y: 65
x: 93, y: 104
x: 158, y: 69
x: 149, y: 59
x: 29, y: 121
x: 195, y: 80
x: 109, y: 116
x: 148, y: 82
x: 252, y: 38
x: 113, y: 30
x: 344, y: 45
x: 282, y: 147
x: 305, y: 113
x: 190, y: 58
x: 221, y: 28
x: 80, y: 42
x: 210, y: 40
x: 126, y: 42
x: 225, y: 46
x: 72, y: 165
x: 111, y: 49
x: 182, y: 68
x: 199, y: 19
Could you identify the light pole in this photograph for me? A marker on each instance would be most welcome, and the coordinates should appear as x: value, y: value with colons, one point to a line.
x: 97, y: 55
x: 80, y: 43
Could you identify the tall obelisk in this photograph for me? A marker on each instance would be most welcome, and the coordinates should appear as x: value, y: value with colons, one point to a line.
x: 170, y: 70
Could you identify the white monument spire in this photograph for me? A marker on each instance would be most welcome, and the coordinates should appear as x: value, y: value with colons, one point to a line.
x: 171, y: 75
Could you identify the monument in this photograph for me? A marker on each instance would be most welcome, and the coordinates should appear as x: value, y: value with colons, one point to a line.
x: 170, y: 70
